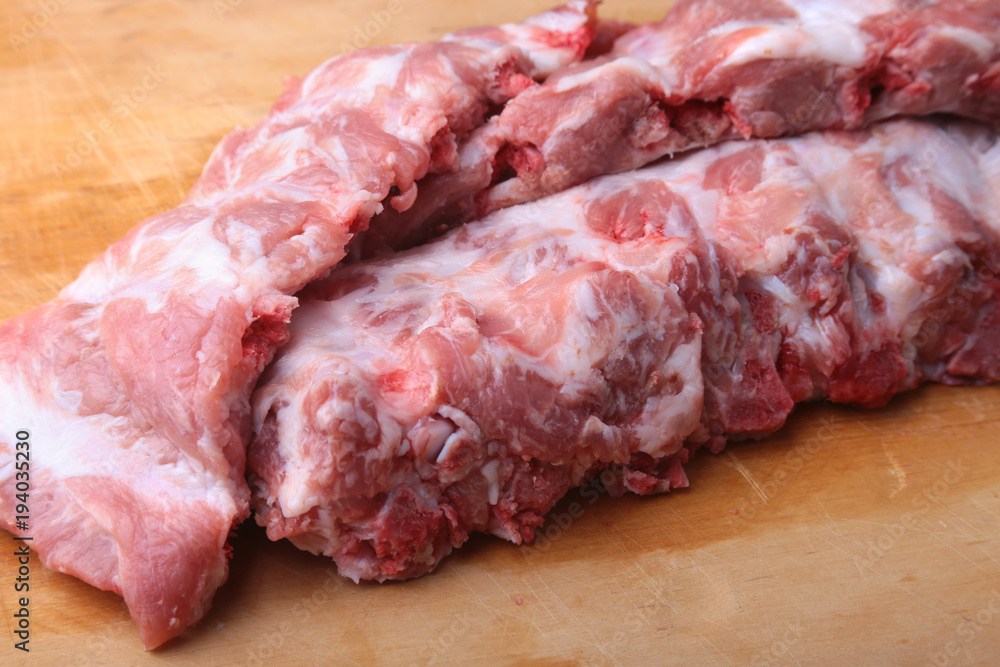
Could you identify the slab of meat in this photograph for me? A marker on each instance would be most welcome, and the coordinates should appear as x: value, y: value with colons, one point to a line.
x: 714, y: 70
x: 134, y: 383
x: 468, y: 384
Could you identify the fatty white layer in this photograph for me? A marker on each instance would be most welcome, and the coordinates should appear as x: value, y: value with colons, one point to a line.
x: 62, y: 445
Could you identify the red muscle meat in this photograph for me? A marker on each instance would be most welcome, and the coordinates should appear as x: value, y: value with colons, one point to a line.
x: 135, y: 381
x: 714, y: 70
x: 466, y: 385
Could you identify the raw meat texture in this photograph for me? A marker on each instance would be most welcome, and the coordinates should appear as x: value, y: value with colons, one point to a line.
x: 466, y: 385
x: 714, y: 70
x: 134, y: 383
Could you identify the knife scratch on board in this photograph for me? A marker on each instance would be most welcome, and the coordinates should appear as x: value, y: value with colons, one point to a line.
x: 576, y: 617
x: 629, y: 537
x: 740, y: 468
x: 539, y: 598
x: 479, y: 598
x: 974, y: 563
x: 897, y: 471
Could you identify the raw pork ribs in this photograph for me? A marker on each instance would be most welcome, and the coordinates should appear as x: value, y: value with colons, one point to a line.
x: 468, y: 384
x: 714, y: 70
x: 135, y: 381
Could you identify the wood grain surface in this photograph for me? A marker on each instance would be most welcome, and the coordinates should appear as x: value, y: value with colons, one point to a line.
x: 868, y: 537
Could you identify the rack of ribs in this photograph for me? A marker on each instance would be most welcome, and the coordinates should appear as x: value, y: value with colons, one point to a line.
x: 468, y: 384
x: 136, y: 379
x: 711, y: 71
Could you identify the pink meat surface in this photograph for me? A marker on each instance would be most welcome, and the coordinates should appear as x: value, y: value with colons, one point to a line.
x: 135, y: 381
x: 468, y: 384
x: 714, y: 70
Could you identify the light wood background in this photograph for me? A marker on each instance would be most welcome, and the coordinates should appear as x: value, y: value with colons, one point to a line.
x: 851, y: 537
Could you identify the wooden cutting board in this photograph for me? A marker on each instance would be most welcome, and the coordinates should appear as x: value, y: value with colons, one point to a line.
x: 852, y: 536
